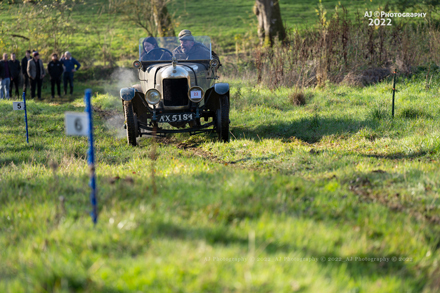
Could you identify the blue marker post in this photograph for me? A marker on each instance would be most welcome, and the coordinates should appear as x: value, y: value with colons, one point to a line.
x: 91, y: 157
x: 25, y: 117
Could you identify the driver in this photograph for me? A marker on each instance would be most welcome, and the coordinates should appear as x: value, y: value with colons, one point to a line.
x: 149, y: 45
x: 191, y: 49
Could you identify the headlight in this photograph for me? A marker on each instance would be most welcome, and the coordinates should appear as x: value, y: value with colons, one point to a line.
x: 214, y: 62
x: 136, y: 64
x: 152, y: 97
x: 196, y: 94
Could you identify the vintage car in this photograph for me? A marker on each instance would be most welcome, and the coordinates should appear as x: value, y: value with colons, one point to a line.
x: 176, y: 89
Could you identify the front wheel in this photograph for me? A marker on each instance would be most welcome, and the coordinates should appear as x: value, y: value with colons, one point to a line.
x: 222, y: 119
x: 131, y: 123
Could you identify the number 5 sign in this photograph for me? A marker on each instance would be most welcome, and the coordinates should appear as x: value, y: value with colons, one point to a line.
x: 18, y: 105
x: 77, y: 123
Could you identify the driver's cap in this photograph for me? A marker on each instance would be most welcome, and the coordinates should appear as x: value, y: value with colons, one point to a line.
x: 186, y: 35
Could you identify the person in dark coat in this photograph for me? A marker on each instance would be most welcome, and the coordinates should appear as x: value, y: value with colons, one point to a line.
x: 150, y: 43
x: 35, y: 70
x: 14, y: 66
x: 69, y: 68
x: 55, y: 70
x: 24, y: 64
x: 5, y: 77
x: 189, y: 49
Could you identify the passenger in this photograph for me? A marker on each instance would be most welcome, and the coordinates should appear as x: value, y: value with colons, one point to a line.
x: 191, y: 49
x: 150, y: 44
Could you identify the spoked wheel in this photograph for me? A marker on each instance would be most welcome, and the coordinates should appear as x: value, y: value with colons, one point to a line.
x: 222, y: 119
x: 131, y: 123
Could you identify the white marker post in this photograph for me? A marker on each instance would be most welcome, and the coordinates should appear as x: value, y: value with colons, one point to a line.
x: 81, y: 124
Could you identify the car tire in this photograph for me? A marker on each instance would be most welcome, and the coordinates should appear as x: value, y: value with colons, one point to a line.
x: 222, y: 117
x: 131, y: 122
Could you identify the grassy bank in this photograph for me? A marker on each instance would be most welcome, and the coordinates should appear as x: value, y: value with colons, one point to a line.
x: 303, y: 199
x: 99, y: 32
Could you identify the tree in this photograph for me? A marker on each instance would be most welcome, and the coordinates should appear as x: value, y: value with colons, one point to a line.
x: 151, y: 15
x: 270, y: 25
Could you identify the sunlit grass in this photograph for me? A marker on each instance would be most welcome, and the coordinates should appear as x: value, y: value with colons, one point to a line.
x: 295, y: 185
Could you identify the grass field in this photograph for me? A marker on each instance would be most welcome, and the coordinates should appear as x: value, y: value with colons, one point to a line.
x: 333, y: 196
x: 303, y: 199
x: 226, y: 22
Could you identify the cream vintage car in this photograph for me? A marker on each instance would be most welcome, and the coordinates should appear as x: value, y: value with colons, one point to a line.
x: 176, y: 90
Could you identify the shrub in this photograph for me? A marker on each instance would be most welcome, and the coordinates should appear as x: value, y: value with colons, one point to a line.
x: 298, y: 99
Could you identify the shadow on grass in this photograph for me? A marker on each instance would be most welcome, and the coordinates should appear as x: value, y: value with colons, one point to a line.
x: 398, y: 155
x: 358, y: 266
x: 22, y: 154
x: 309, y: 130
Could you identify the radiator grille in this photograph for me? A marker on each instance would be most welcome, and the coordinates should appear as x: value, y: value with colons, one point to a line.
x: 175, y: 92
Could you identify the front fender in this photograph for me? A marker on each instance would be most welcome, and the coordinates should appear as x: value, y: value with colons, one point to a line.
x: 221, y: 88
x: 213, y: 95
x: 127, y: 93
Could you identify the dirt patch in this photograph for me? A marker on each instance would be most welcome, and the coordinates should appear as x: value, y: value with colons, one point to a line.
x: 362, y: 187
x: 106, y: 114
x: 195, y: 151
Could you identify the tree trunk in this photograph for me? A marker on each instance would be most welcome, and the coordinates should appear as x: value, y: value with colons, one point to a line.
x: 270, y: 24
x: 162, y: 19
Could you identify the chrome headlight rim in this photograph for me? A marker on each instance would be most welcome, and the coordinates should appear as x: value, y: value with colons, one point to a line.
x: 137, y: 64
x: 198, y: 89
x: 213, y: 62
x: 147, y: 96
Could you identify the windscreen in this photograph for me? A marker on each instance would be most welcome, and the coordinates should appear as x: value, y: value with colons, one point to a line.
x: 163, y: 49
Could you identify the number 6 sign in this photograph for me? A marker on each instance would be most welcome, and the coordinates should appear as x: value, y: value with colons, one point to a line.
x: 77, y: 123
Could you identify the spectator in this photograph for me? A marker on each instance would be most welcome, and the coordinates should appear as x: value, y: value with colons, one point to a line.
x: 14, y: 66
x: 55, y: 70
x: 24, y: 64
x: 35, y: 70
x: 5, y: 77
x: 69, y: 68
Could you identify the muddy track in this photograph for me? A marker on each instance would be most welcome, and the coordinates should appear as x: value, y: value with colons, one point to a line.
x: 106, y: 114
x: 198, y: 152
x: 190, y: 148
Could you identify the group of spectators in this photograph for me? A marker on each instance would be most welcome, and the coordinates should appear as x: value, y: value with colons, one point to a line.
x: 33, y: 73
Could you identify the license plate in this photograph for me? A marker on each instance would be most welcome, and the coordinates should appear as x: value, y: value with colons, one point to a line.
x: 177, y: 117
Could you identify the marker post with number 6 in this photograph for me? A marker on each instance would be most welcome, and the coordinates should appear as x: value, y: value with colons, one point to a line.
x: 81, y: 124
x: 91, y: 156
x: 18, y: 106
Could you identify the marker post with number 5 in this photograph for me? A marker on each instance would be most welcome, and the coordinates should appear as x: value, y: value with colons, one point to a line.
x: 81, y: 124
x: 22, y: 106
